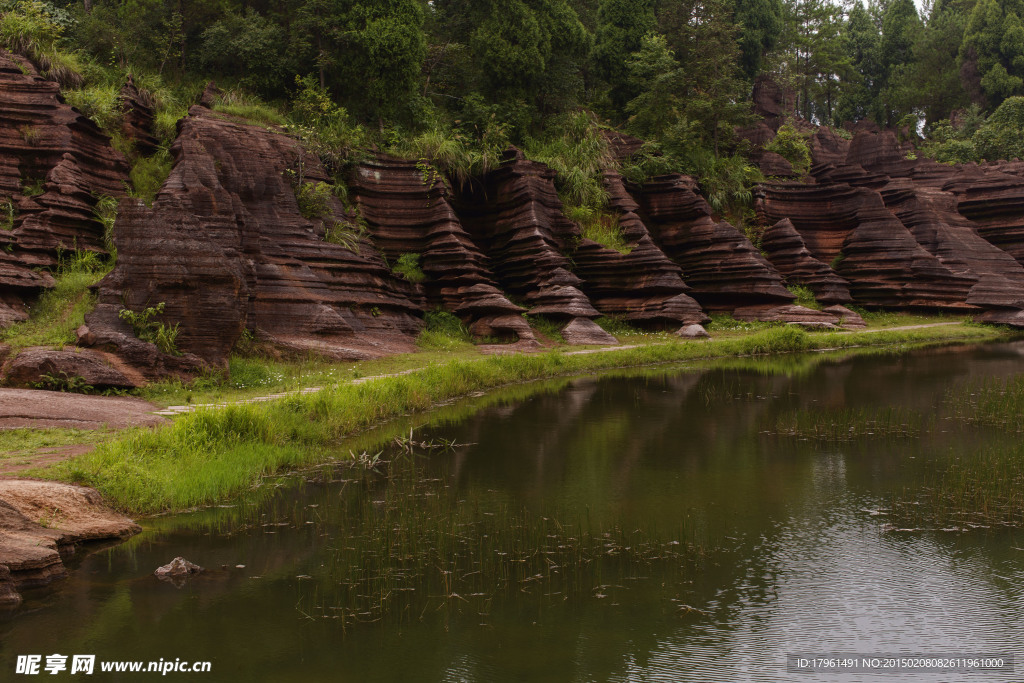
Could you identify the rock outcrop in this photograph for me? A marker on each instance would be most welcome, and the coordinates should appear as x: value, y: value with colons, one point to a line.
x: 788, y: 252
x: 137, y: 124
x: 515, y: 215
x: 721, y: 266
x: 41, y: 523
x: 643, y: 286
x: 54, y: 164
x: 227, y: 249
x: 405, y: 204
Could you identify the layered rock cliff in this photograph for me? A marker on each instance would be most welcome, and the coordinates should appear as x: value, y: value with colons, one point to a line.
x: 248, y: 240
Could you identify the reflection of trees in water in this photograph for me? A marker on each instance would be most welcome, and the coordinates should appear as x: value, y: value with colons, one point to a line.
x: 659, y: 450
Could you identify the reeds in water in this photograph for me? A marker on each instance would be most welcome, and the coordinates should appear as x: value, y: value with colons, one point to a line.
x: 849, y: 424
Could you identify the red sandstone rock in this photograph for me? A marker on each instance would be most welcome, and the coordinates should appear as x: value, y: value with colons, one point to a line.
x: 828, y: 148
x: 515, y: 216
x: 138, y: 117
x: 772, y: 102
x: 584, y: 331
x: 39, y: 522
x: 852, y: 230
x: 643, y: 286
x: 719, y: 263
x: 54, y: 367
x: 47, y: 146
x: 226, y: 248
x: 786, y: 250
x: 408, y: 212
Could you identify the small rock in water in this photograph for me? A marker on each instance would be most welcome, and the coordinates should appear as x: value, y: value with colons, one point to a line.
x: 177, y: 570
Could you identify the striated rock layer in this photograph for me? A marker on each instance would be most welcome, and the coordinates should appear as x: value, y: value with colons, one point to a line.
x: 406, y: 206
x: 719, y: 263
x: 515, y: 216
x: 642, y: 286
x: 54, y: 164
x: 227, y: 249
x: 788, y: 252
x: 852, y: 230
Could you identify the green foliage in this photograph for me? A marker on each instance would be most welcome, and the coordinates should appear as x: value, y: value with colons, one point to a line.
x: 323, y: 127
x: 59, y: 311
x: 105, y: 212
x: 578, y: 153
x: 150, y: 330
x: 100, y: 103
x: 792, y: 145
x: 8, y: 212
x: 443, y: 332
x: 1002, y: 135
x: 726, y: 182
x: 599, y: 226
x: 248, y: 47
x: 804, y: 296
x: 62, y: 381
x: 459, y: 153
x: 408, y: 266
x: 32, y: 187
x: 547, y: 327
x: 34, y: 29
x: 621, y: 27
x: 616, y: 326
x: 314, y: 200
x: 244, y: 106
x: 148, y: 174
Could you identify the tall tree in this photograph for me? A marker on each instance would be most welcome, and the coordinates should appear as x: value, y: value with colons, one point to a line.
x: 621, y: 27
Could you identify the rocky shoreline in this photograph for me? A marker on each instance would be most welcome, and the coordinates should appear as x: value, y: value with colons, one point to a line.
x: 41, y: 524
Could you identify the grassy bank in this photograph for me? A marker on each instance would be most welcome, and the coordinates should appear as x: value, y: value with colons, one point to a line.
x: 208, y: 455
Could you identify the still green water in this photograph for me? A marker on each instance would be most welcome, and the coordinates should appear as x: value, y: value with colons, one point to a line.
x: 660, y: 527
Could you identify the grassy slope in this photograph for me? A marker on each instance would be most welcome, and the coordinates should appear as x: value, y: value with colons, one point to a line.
x: 208, y: 455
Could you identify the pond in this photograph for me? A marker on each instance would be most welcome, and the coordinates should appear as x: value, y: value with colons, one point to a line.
x: 696, y: 523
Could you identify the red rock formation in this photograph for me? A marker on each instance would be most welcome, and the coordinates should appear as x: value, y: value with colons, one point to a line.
x: 852, y: 230
x: 772, y: 102
x: 931, y: 215
x: 49, y: 151
x: 227, y: 249
x: 786, y: 250
x: 407, y: 210
x: 138, y: 117
x: 644, y: 286
x: 719, y: 263
x: 515, y: 215
x: 828, y: 148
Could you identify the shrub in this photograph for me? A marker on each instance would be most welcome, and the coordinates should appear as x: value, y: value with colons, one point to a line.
x: 804, y: 296
x: 599, y: 226
x: 149, y: 330
x: 791, y: 145
x: 408, y: 267
x: 148, y: 175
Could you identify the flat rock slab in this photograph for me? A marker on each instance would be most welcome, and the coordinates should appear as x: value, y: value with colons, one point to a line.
x: 41, y: 523
x: 35, y: 408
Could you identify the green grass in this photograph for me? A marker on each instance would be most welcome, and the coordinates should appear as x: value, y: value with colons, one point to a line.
x: 444, y: 332
x: 976, y: 489
x: 548, y: 328
x: 208, y: 455
x: 600, y: 226
x: 804, y: 297
x: 54, y: 318
x: 993, y: 403
x: 849, y: 424
x: 408, y: 267
x: 19, y: 446
x: 148, y: 175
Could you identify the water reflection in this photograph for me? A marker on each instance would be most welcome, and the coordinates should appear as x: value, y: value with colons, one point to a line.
x: 795, y: 556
